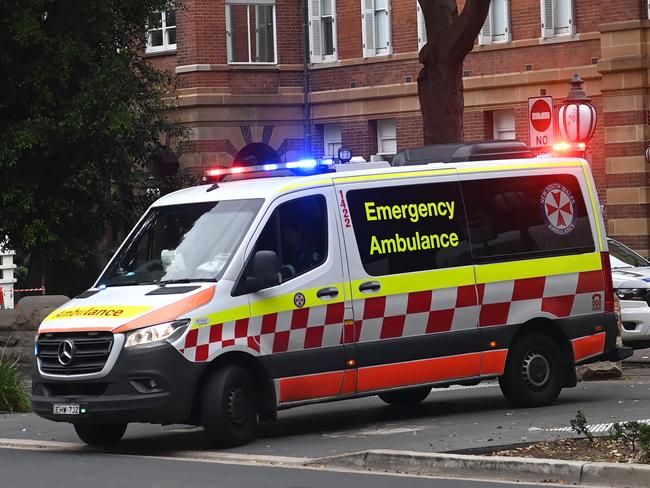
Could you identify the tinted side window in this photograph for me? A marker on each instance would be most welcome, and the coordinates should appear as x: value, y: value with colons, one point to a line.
x: 401, y: 229
x: 526, y: 217
x: 297, y: 232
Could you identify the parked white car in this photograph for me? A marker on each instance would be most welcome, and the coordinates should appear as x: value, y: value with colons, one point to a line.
x: 631, y: 277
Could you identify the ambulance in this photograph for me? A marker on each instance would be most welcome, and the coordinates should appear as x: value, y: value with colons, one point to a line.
x: 282, y: 285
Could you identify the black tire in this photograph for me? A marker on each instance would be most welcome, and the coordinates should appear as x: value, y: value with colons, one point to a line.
x: 534, y: 373
x: 100, y: 434
x: 229, y: 407
x: 412, y: 396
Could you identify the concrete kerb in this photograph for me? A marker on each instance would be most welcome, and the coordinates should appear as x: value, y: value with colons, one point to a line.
x: 493, y: 468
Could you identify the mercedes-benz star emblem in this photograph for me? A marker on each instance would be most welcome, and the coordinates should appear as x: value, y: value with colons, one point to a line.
x: 66, y: 352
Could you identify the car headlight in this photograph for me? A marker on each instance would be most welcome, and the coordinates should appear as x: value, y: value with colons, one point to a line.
x: 632, y: 294
x: 169, y: 331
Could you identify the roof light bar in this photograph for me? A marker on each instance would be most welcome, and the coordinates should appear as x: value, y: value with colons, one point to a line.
x: 564, y: 147
x: 302, y: 167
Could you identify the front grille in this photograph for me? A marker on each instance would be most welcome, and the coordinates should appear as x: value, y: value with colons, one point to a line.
x: 91, y: 351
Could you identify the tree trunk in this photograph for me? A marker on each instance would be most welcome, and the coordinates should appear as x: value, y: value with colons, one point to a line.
x: 440, y: 89
x: 440, y: 83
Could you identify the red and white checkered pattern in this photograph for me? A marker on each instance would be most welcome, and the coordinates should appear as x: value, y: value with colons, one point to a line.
x: 404, y: 315
x: 303, y: 328
x: 499, y: 303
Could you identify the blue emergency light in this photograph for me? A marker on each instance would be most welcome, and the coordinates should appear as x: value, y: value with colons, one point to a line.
x: 302, y: 167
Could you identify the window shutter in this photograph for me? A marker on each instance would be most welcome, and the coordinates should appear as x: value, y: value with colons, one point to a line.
x: 389, y: 25
x: 572, y: 17
x: 315, y: 31
x: 422, y: 28
x: 485, y: 36
x: 506, y: 10
x: 368, y: 19
x: 548, y: 23
x: 229, y: 35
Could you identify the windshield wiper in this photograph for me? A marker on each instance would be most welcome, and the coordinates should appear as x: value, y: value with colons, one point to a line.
x: 128, y: 283
x: 187, y: 280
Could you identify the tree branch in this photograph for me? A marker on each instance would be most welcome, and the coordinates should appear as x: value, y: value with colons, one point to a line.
x: 465, y: 29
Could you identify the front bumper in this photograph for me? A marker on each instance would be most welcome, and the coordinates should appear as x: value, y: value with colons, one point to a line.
x: 126, y: 393
x: 635, y: 316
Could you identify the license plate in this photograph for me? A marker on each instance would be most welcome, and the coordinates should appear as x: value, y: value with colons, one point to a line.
x: 65, y: 409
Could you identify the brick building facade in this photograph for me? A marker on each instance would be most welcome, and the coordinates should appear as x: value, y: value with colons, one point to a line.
x: 241, y: 81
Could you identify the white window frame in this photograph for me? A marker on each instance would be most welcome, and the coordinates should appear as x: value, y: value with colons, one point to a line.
x: 499, y: 116
x: 249, y: 4
x: 166, y: 46
x: 316, y: 33
x: 548, y: 12
x: 422, y: 28
x: 384, y: 126
x: 487, y: 36
x: 332, y: 136
x: 369, y: 29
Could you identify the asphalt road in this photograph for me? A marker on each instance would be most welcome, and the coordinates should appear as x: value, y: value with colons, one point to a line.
x: 448, y: 421
x: 33, y: 469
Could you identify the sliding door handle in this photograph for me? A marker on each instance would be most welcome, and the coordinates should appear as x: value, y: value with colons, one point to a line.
x: 370, y: 287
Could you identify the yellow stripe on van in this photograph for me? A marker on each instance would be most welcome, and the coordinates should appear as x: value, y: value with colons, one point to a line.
x: 413, y: 282
x: 532, y: 268
x: 282, y: 303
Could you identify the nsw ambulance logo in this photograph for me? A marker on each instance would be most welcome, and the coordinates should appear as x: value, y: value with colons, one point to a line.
x: 558, y: 208
x: 123, y: 312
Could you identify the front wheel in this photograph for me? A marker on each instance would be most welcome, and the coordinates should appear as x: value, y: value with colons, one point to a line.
x: 100, y: 434
x: 534, y: 372
x: 409, y: 397
x: 229, y: 407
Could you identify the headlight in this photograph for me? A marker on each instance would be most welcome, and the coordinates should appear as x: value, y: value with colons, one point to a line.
x: 169, y: 331
x: 632, y: 293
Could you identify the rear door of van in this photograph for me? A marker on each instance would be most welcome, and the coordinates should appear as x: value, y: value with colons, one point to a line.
x: 535, y: 245
x: 414, y: 296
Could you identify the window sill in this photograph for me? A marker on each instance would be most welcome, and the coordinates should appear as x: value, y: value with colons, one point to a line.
x: 253, y: 66
x: 149, y: 53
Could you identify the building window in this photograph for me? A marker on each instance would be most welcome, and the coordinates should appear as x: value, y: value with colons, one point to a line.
x: 161, y: 34
x: 386, y: 137
x: 497, y: 24
x: 332, y: 141
x: 557, y: 18
x: 250, y: 31
x: 504, y: 124
x: 322, y: 15
x: 422, y: 29
x: 376, y: 28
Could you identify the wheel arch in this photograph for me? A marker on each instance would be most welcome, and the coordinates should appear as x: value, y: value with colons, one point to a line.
x: 552, y: 329
x: 260, y: 371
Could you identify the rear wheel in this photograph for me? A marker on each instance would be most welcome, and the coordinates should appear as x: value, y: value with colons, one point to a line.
x: 100, y: 434
x: 534, y: 373
x: 229, y: 407
x: 412, y: 396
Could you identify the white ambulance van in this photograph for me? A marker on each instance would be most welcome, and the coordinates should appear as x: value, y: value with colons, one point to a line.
x: 233, y: 300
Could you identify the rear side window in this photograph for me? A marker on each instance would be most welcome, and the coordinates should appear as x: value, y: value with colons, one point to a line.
x: 401, y: 229
x: 526, y: 217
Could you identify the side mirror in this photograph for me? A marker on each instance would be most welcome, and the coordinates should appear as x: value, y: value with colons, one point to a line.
x: 265, y: 271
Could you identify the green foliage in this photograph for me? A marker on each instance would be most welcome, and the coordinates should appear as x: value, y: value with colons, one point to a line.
x: 13, y: 397
x: 81, y: 114
x: 580, y: 427
x: 633, y: 434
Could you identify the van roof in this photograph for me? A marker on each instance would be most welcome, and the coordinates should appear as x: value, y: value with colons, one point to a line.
x: 274, y: 186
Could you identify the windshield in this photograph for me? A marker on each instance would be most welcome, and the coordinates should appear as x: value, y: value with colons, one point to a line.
x: 621, y: 256
x: 189, y: 242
